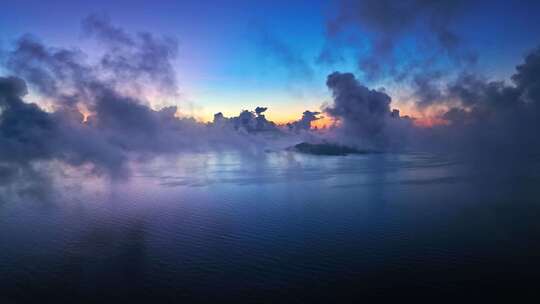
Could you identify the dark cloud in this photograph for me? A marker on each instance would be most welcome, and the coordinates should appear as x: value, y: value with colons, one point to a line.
x: 28, y: 133
x: 119, y: 121
x: 427, y: 89
x: 260, y: 110
x: 363, y: 114
x: 53, y: 72
x: 142, y: 57
x: 247, y: 122
x: 527, y: 78
x: 120, y: 125
x: 494, y: 117
x: 304, y: 123
x: 383, y: 33
x: 361, y: 109
x: 101, y: 27
x: 489, y: 118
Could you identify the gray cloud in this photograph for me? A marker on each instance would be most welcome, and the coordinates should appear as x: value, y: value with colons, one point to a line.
x: 493, y: 115
x: 360, y: 108
x: 142, y: 57
x: 121, y: 125
x: 415, y: 42
x: 427, y: 90
x: 487, y: 116
x: 304, y: 123
x: 28, y: 133
x: 53, y: 72
x: 247, y: 122
x: 484, y: 116
x: 364, y: 114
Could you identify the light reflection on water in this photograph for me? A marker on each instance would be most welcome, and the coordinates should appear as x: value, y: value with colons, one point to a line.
x: 223, y: 224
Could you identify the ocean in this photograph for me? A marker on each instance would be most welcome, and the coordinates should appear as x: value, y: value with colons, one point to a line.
x: 275, y: 226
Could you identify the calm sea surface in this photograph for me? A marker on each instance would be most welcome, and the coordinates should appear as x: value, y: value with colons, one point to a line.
x: 277, y: 226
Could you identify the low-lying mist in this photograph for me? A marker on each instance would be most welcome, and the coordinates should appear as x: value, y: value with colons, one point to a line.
x: 95, y: 115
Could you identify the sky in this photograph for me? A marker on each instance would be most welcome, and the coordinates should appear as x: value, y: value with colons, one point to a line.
x: 96, y: 86
x: 236, y: 55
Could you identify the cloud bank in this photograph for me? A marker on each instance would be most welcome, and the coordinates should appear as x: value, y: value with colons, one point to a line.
x: 363, y: 114
x: 96, y: 114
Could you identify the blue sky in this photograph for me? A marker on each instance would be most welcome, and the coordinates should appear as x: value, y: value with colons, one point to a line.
x: 240, y: 54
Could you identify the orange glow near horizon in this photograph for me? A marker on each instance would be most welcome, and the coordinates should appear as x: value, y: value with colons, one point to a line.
x: 84, y: 112
x: 85, y: 117
x: 323, y: 122
x: 429, y: 122
x: 426, y: 118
